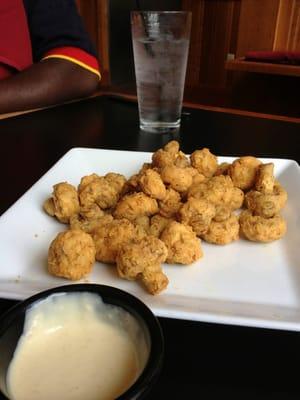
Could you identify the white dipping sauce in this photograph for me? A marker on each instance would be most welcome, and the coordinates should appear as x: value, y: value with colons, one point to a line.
x: 74, y: 346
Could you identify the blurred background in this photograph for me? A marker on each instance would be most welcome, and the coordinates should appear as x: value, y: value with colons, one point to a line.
x: 223, y: 31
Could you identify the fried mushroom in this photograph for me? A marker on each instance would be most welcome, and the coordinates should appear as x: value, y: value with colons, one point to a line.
x: 135, y: 205
x: 218, y: 190
x: 222, y: 213
x: 142, y: 260
x: 171, y: 203
x: 222, y: 169
x: 222, y: 232
x: 91, y: 212
x: 260, y: 229
x: 154, y: 279
x: 109, y: 238
x: 116, y: 180
x: 170, y: 155
x: 205, y: 162
x: 266, y: 205
x: 237, y: 199
x: 265, y: 179
x: 96, y: 189
x: 198, y: 214
x: 71, y: 255
x: 177, y: 178
x: 158, y: 224
x: 143, y: 222
x: 64, y: 202
x: 243, y: 172
x: 162, y: 158
x: 181, y: 160
x: 182, y: 243
x: 152, y: 184
x: 89, y: 225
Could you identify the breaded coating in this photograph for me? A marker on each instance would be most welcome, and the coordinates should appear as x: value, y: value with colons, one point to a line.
x: 109, y: 238
x: 89, y: 225
x: 154, y: 279
x: 49, y: 207
x: 141, y: 260
x: 280, y: 193
x: 162, y: 158
x: 197, y: 177
x: 222, y: 169
x: 91, y: 212
x: 243, y: 172
x: 223, y: 232
x: 158, y: 224
x: 259, y: 229
x: 137, y: 255
x: 261, y: 204
x: 179, y: 179
x: 152, y: 184
x: 205, y: 162
x: 143, y: 221
x: 116, y: 180
x: 71, y: 255
x: 133, y: 183
x: 218, y: 190
x: 222, y: 213
x: 86, y: 180
x: 182, y: 243
x: 135, y: 205
x: 96, y: 189
x: 144, y: 168
x: 198, y: 214
x: 266, y: 205
x: 265, y: 179
x: 169, y: 155
x: 182, y: 160
x: 170, y: 205
x: 64, y: 202
x: 172, y: 147
x: 237, y: 199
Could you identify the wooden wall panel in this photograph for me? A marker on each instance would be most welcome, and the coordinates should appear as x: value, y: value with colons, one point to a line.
x: 87, y: 10
x: 213, y: 36
x: 193, y: 67
x: 283, y: 26
x: 294, y: 32
x: 96, y: 19
x: 102, y: 12
x: 217, y: 30
x: 257, y: 25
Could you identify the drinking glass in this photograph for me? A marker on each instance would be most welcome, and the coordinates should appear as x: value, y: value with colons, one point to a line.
x: 160, y: 47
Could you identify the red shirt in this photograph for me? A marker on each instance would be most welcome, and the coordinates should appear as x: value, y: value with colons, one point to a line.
x: 33, y: 30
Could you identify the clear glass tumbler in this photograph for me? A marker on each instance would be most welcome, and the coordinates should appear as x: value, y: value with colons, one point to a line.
x: 160, y: 46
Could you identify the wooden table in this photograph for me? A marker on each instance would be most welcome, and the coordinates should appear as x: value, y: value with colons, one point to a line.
x: 202, y: 360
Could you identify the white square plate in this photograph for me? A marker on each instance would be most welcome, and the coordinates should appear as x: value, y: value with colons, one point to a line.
x: 242, y: 283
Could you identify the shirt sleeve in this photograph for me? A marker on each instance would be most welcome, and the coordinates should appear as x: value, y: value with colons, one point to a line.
x: 57, y: 31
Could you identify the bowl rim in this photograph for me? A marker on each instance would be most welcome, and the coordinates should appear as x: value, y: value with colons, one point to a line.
x: 114, y: 296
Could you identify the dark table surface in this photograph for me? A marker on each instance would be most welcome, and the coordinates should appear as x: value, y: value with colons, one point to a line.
x: 202, y: 360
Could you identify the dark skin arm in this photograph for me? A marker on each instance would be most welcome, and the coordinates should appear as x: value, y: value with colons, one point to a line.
x: 46, y: 83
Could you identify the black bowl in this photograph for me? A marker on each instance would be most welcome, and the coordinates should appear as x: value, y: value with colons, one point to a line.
x: 12, y: 324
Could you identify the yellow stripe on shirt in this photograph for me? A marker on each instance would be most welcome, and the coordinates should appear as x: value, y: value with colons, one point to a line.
x: 80, y: 63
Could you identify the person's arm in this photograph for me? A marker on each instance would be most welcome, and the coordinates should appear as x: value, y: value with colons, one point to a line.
x: 48, y: 82
x: 51, y: 60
